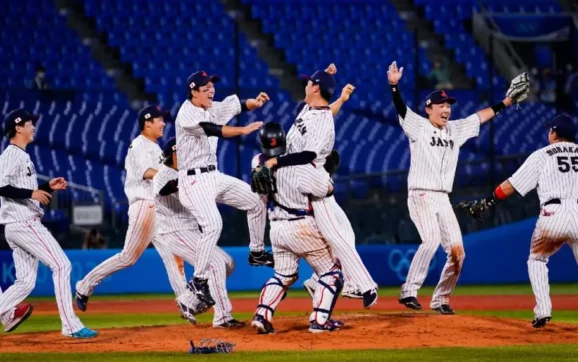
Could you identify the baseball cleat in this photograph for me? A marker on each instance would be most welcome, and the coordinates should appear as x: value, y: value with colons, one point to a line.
x: 410, y: 302
x: 189, y: 314
x: 444, y: 309
x: 369, y: 298
x: 84, y: 333
x: 21, y: 313
x: 262, y: 325
x: 232, y: 324
x: 201, y: 289
x: 541, y: 322
x: 352, y: 295
x: 261, y: 258
x: 81, y: 301
x: 329, y: 326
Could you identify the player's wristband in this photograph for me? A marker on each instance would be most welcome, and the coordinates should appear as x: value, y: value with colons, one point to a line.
x: 497, y: 108
x: 244, y: 107
x: 46, y: 187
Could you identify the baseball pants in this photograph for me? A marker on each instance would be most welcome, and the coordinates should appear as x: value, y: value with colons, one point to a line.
x: 436, y: 222
x: 184, y: 244
x: 140, y: 233
x: 556, y: 226
x: 30, y: 242
x: 199, y: 194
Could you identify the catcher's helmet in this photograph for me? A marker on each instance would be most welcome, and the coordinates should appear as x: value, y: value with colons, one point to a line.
x: 272, y: 139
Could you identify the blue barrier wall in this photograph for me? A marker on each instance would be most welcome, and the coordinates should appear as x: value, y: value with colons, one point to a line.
x: 492, y: 257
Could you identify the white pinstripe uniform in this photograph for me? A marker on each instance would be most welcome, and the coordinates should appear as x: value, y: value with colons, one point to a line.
x: 434, y: 159
x: 553, y: 170
x: 293, y: 237
x: 30, y: 242
x: 314, y: 130
x: 200, y: 192
x: 178, y: 235
x: 143, y: 154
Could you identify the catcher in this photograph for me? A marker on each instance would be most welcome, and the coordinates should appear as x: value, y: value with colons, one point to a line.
x: 553, y: 171
x: 294, y: 234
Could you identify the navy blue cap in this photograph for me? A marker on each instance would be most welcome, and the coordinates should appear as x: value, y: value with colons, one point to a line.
x: 325, y: 81
x: 438, y: 97
x: 17, y: 118
x: 148, y: 113
x: 200, y: 78
x: 564, y: 126
x: 170, y: 147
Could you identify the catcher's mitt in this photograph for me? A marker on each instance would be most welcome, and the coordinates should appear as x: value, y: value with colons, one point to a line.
x: 263, y: 181
x: 210, y: 345
x: 476, y: 208
x: 332, y: 162
x: 519, y: 88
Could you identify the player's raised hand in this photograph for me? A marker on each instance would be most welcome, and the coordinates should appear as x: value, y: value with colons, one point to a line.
x: 258, y: 102
x: 252, y: 127
x: 331, y: 69
x: 394, y: 74
x: 58, y: 183
x: 346, y: 92
x: 42, y: 196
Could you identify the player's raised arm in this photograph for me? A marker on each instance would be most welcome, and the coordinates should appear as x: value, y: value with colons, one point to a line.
x: 345, y: 94
x: 410, y: 122
x: 232, y: 106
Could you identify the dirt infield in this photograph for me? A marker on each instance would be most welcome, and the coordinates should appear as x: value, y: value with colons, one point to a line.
x: 363, y: 330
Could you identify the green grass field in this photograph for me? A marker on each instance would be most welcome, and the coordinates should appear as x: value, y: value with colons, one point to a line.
x: 514, y: 353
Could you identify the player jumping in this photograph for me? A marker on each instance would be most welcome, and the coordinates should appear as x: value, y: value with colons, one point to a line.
x: 434, y: 146
x: 553, y: 171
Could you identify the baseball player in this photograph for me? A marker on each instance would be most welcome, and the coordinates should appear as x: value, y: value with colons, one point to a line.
x: 434, y: 147
x: 294, y: 234
x: 30, y: 241
x: 199, y: 125
x: 553, y: 171
x: 178, y: 235
x: 311, y: 139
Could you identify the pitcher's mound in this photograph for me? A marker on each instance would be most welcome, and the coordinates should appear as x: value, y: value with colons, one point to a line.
x: 361, y: 331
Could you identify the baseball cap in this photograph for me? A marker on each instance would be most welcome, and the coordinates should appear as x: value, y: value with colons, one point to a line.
x: 200, y: 78
x: 18, y: 117
x: 170, y: 147
x: 564, y: 126
x: 325, y: 81
x: 439, y: 97
x: 148, y: 113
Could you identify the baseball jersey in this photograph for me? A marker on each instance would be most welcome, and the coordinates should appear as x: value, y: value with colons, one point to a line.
x: 17, y: 170
x: 553, y: 170
x: 171, y: 214
x: 314, y: 130
x: 142, y: 155
x: 434, y: 151
x: 194, y: 148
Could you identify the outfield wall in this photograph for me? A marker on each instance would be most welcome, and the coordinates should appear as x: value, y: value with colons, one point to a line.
x: 494, y: 256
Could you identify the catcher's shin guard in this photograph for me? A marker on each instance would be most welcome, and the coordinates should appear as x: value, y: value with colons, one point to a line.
x: 272, y: 293
x: 328, y: 288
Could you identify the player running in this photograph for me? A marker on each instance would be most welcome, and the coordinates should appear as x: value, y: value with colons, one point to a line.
x: 434, y: 146
x: 553, y: 171
x: 30, y: 241
x: 294, y: 234
x: 199, y: 125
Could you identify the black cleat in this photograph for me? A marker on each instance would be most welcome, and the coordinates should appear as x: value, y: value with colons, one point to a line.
x: 81, y: 301
x: 232, y: 324
x: 201, y: 289
x: 541, y: 322
x: 410, y: 302
x: 261, y: 258
x: 444, y: 309
x: 262, y: 325
x: 369, y: 298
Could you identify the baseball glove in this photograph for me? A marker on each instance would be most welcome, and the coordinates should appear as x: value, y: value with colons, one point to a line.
x: 332, y: 162
x: 263, y: 181
x: 519, y: 88
x: 476, y: 208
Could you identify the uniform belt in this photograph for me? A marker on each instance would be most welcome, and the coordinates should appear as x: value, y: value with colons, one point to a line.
x: 554, y: 202
x: 209, y: 168
x: 294, y: 219
x: 296, y: 212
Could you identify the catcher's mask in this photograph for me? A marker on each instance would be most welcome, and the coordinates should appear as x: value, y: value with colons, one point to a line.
x: 272, y: 139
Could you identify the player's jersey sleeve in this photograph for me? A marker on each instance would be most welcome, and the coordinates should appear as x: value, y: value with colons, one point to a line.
x: 313, y: 181
x: 411, y: 124
x: 8, y: 167
x: 467, y: 128
x: 226, y: 109
x: 316, y: 128
x: 526, y: 178
x: 188, y: 120
x: 138, y: 160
